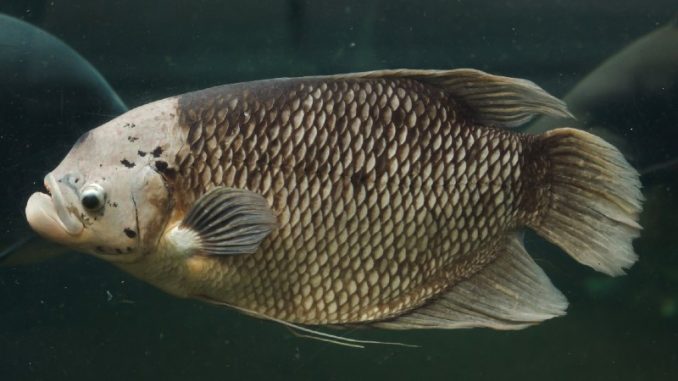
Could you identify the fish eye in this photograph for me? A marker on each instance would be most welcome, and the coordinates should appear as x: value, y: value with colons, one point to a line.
x: 92, y: 197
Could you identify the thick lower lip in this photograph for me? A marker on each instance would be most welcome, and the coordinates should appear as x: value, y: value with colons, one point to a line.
x: 43, y: 218
x: 49, y: 217
x: 68, y: 220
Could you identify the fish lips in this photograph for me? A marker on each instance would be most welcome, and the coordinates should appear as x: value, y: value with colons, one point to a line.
x: 49, y: 217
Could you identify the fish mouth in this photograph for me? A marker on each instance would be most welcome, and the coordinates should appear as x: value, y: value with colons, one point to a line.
x: 49, y: 217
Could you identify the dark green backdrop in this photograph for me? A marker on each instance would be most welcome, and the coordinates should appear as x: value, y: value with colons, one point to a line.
x: 75, y: 318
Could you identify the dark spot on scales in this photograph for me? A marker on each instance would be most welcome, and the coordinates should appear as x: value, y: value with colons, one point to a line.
x: 141, y: 153
x: 127, y: 163
x: 157, y: 152
x: 130, y: 233
x: 380, y: 163
x: 118, y: 251
x: 358, y: 178
x: 132, y: 139
x: 99, y: 249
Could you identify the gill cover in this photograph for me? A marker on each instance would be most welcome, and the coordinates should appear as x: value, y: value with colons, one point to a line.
x: 152, y: 203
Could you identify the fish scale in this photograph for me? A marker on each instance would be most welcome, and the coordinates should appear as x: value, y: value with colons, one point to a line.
x: 375, y: 211
x: 394, y: 198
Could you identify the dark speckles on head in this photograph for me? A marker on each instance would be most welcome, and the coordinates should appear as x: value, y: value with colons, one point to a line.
x: 157, y: 151
x: 130, y: 233
x: 127, y: 163
x: 164, y: 168
x: 161, y: 166
x: 132, y: 139
x: 141, y: 153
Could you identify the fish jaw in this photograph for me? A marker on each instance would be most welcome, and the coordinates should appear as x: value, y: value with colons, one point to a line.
x: 43, y: 217
x: 50, y: 217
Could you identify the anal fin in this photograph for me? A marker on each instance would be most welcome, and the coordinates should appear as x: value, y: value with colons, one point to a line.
x: 511, y: 293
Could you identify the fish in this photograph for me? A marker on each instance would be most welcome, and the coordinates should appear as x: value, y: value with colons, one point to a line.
x: 394, y: 198
x: 38, y: 64
x: 616, y: 99
x: 45, y: 86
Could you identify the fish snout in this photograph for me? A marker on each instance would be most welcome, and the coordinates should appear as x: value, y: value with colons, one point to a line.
x: 52, y: 217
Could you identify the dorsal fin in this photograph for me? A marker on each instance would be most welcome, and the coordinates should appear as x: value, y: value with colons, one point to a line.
x: 493, y: 99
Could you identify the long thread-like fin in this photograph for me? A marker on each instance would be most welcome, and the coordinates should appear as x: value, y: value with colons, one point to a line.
x: 511, y: 293
x: 308, y: 332
x: 594, y: 200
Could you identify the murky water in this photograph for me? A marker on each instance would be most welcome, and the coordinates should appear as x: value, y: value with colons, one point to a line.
x: 74, y: 317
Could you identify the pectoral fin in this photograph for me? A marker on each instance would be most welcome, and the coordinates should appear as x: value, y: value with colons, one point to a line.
x: 511, y: 293
x: 226, y: 221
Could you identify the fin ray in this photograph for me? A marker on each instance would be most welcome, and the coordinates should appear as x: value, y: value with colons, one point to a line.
x: 227, y: 221
x: 308, y: 333
x: 494, y: 100
x: 594, y: 200
x: 511, y: 293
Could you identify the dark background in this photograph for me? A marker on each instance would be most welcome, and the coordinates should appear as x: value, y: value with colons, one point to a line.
x: 77, y: 318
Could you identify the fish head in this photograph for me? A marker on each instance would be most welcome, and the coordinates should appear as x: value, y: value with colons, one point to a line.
x: 107, y: 197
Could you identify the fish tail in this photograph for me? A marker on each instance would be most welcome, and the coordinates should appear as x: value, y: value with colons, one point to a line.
x: 590, y: 199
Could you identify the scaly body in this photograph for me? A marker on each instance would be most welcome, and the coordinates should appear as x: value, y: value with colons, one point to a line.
x: 388, y: 190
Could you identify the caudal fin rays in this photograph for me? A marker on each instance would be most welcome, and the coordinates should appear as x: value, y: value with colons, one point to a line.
x: 594, y: 200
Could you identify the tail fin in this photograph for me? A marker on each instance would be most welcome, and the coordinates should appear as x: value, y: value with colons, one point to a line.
x: 594, y: 200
